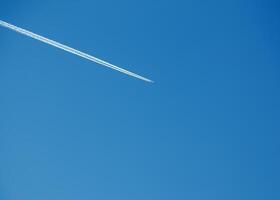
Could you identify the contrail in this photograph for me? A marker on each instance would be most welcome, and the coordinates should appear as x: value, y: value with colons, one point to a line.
x: 71, y: 50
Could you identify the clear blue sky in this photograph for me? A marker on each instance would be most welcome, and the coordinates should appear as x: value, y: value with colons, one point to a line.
x: 208, y: 129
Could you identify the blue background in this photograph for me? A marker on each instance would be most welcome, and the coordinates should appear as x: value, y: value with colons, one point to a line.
x: 207, y: 129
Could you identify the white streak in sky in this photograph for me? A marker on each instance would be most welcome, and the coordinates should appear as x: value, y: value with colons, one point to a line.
x: 70, y: 50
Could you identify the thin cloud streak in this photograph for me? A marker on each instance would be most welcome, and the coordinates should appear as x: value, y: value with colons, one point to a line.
x: 71, y: 50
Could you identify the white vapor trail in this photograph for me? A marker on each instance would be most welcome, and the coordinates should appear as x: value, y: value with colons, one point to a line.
x: 70, y: 50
